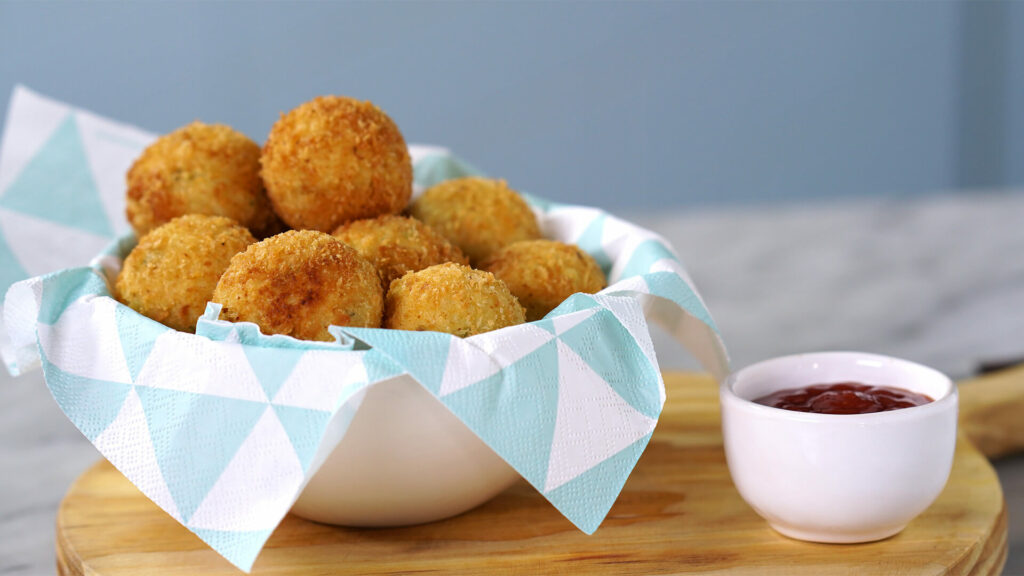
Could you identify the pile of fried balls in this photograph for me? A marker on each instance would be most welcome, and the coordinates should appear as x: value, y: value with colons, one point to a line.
x: 316, y: 229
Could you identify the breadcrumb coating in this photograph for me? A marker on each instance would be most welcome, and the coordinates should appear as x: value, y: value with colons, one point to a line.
x: 199, y: 169
x: 479, y: 215
x: 298, y: 283
x: 543, y: 273
x: 451, y: 298
x: 170, y: 275
x: 333, y: 160
x: 398, y: 244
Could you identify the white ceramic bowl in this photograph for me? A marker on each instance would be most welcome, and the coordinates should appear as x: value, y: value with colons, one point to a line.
x: 405, y: 459
x: 838, y: 478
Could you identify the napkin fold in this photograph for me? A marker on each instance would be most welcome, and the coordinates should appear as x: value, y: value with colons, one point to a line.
x: 569, y: 401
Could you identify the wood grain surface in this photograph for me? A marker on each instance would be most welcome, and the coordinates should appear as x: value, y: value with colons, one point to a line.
x: 990, y: 412
x: 679, y: 513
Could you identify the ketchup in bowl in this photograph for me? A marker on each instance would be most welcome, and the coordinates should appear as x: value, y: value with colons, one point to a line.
x: 843, y: 398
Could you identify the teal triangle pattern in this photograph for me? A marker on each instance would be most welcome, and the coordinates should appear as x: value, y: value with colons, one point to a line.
x: 11, y: 270
x: 612, y: 352
x: 379, y: 366
x: 305, y: 428
x: 644, y: 256
x: 62, y: 288
x: 538, y: 203
x: 424, y: 355
x: 514, y: 411
x: 194, y: 437
x: 238, y: 547
x: 209, y: 325
x: 272, y: 365
x: 435, y: 169
x: 671, y: 287
x: 545, y: 324
x: 574, y: 303
x: 586, y: 499
x: 138, y: 335
x: 591, y: 242
x: 90, y: 404
x: 57, y: 185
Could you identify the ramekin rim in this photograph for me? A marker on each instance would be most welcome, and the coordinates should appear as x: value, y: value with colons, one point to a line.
x: 950, y: 396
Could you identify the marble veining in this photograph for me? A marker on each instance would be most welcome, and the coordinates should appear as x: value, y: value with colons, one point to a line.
x: 937, y: 280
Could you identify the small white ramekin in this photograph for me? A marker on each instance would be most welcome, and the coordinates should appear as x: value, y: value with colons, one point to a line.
x: 838, y: 478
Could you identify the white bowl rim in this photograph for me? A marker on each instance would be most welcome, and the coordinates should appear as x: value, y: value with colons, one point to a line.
x: 938, y: 404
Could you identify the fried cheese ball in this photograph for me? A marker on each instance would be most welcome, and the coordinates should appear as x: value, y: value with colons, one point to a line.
x: 335, y: 159
x: 298, y: 283
x: 171, y: 273
x: 199, y: 169
x: 479, y: 215
x: 451, y: 298
x: 543, y: 273
x: 398, y: 244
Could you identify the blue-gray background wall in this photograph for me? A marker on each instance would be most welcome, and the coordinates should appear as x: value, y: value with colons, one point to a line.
x: 624, y: 105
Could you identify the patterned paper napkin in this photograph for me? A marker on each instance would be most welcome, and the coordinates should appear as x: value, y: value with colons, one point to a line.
x: 569, y: 401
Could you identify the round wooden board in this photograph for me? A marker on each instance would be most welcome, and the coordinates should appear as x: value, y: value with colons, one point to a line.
x: 678, y: 513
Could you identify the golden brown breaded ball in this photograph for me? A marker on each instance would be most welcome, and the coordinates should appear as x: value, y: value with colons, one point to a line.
x: 333, y: 160
x: 479, y: 215
x: 298, y: 283
x: 451, y: 298
x: 398, y: 244
x: 543, y: 273
x: 199, y: 169
x: 170, y: 275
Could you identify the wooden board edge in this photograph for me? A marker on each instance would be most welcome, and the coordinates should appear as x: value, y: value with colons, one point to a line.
x: 69, y: 563
x: 990, y: 408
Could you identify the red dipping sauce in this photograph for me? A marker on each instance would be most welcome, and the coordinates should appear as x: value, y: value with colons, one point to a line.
x: 843, y: 398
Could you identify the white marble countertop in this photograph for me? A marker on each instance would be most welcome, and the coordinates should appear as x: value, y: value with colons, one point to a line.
x: 937, y: 280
